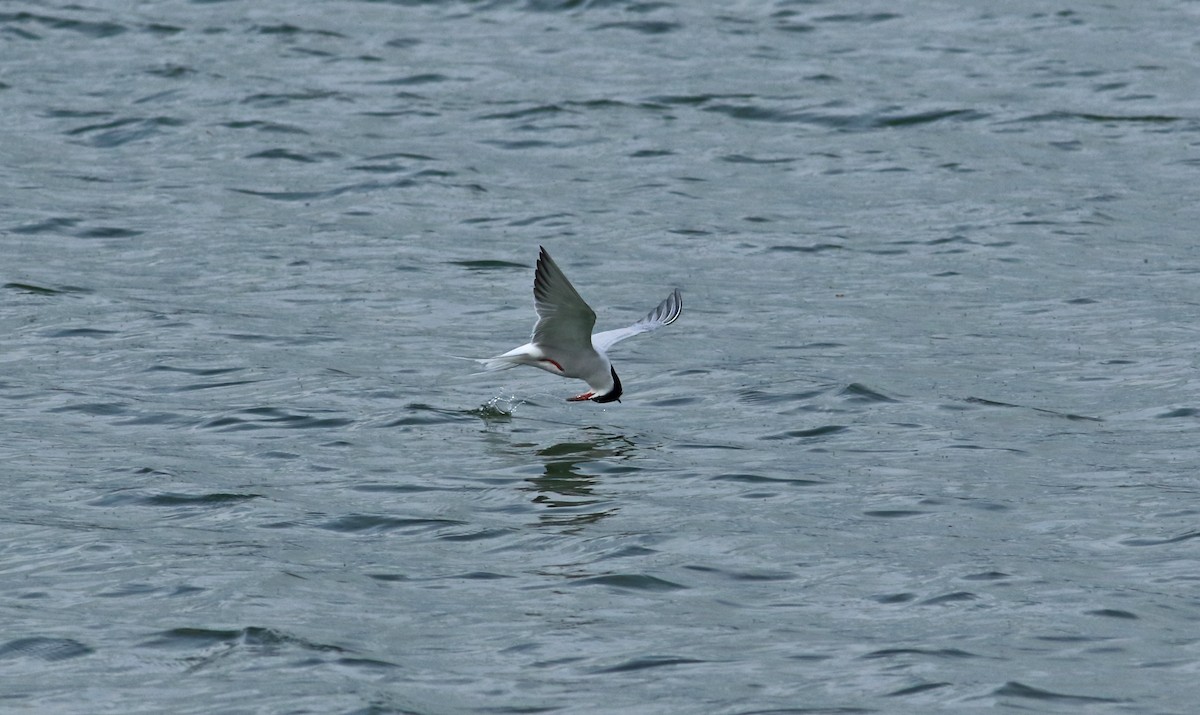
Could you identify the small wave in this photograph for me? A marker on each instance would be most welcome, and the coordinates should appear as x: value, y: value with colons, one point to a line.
x: 95, y: 30
x: 123, y: 131
x: 808, y: 433
x: 270, y: 127
x: 356, y: 188
x: 290, y: 29
x: 285, y: 154
x: 654, y: 661
x: 760, y: 479
x: 489, y: 265
x: 279, y: 99
x: 852, y: 121
x: 860, y: 18
x: 170, y: 499
x: 373, y: 523
x: 646, y: 27
x: 422, y: 414
x: 42, y: 648
x: 924, y: 652
x: 1020, y: 690
x: 634, y: 582
x: 52, y: 225
x: 1161, y: 542
x: 1098, y: 118
x: 258, y: 418
x: 858, y: 392
x: 45, y: 290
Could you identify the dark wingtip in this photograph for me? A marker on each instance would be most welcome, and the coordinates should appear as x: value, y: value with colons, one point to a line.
x: 539, y: 273
x: 678, y: 306
x: 613, y: 395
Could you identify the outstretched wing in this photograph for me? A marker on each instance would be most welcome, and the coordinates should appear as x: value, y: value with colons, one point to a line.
x: 565, y: 321
x: 665, y: 314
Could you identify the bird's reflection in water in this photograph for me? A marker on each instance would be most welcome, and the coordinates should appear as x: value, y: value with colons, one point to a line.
x: 567, y: 484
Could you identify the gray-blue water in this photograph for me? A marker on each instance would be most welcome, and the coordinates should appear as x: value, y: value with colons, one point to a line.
x: 925, y: 438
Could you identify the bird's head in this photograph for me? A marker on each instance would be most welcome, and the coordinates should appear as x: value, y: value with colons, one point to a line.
x: 613, y: 395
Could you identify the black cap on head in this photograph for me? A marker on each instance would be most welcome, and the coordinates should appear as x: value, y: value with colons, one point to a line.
x: 613, y: 395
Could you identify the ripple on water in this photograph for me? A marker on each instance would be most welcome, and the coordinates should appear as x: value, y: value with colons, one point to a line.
x: 857, y: 392
x: 259, y: 418
x: 476, y: 535
x: 744, y: 576
x: 94, y: 408
x: 498, y: 409
x: 44, y: 648
x: 807, y: 434
x: 946, y: 598
x: 45, y: 290
x: 201, y: 384
x: 1015, y: 689
x: 358, y: 187
x: 630, y: 582
x: 894, y: 513
x: 172, y: 499
x: 757, y: 396
x: 202, y: 647
x: 1113, y: 613
x: 916, y: 689
x: 115, y: 133
x: 89, y: 28
x: 919, y: 652
x: 80, y: 333
x: 490, y: 265
x: 377, y: 523
x: 248, y: 198
x: 646, y: 662
x: 760, y: 479
x: 1148, y: 541
x: 677, y: 401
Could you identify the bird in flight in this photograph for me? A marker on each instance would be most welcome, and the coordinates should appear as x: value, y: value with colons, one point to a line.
x: 563, y: 342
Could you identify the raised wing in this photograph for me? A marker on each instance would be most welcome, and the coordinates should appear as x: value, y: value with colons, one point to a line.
x: 665, y: 314
x: 565, y: 321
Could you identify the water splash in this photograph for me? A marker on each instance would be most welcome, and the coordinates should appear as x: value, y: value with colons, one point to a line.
x: 498, y: 409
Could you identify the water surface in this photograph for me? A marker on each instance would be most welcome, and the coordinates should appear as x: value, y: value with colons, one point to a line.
x: 923, y: 440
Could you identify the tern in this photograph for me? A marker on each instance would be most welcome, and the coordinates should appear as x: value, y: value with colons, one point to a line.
x: 563, y: 342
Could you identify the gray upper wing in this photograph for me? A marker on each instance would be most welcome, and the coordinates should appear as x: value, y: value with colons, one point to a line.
x: 666, y: 313
x: 564, y: 319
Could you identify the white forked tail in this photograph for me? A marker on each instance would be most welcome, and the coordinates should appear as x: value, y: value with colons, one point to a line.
x: 517, y: 356
x: 501, y: 362
x: 492, y: 364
